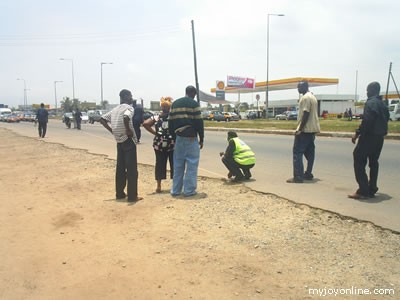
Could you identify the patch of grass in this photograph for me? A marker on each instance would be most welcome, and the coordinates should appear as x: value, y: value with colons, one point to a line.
x: 335, y: 125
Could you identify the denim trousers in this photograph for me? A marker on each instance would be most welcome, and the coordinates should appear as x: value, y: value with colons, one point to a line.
x: 303, y: 145
x: 368, y: 149
x: 186, y: 163
x: 126, y: 170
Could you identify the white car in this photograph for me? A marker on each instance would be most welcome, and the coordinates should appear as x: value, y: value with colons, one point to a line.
x: 85, y: 117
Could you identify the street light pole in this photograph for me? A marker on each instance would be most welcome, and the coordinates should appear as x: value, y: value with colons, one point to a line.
x: 101, y: 80
x: 73, y: 80
x: 25, y: 98
x: 55, y: 92
x: 267, y: 83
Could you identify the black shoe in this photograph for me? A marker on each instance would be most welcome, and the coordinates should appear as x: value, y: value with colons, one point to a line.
x: 120, y: 197
x: 372, y: 192
x: 294, y: 180
x: 247, y: 174
x: 308, y: 176
x: 238, y: 179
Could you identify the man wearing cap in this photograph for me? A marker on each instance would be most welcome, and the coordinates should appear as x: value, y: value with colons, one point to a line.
x: 308, y: 126
x: 238, y: 158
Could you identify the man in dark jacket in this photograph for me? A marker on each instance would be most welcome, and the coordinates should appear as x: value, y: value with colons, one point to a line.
x: 370, y: 137
x: 42, y: 116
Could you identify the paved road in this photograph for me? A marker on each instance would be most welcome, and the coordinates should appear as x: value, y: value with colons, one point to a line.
x: 333, y: 168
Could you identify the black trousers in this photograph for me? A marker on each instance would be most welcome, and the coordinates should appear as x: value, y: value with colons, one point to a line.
x: 42, y: 127
x: 126, y: 170
x: 138, y: 132
x: 236, y: 168
x: 162, y: 157
x: 368, y: 149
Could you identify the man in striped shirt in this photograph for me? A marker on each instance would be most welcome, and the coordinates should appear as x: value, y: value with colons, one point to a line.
x: 120, y: 119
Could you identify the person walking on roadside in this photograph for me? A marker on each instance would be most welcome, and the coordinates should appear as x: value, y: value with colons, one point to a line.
x: 370, y: 135
x: 78, y: 118
x: 238, y: 158
x: 350, y: 114
x: 138, y: 119
x: 163, y: 143
x: 120, y: 119
x: 186, y: 124
x: 42, y: 116
x: 308, y: 126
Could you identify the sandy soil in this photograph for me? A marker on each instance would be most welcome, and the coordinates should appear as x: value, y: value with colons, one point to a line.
x: 64, y: 236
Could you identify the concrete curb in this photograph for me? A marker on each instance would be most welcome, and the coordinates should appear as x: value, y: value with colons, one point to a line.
x: 291, y: 132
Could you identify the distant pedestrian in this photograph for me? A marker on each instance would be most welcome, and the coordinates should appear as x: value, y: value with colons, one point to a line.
x: 138, y: 119
x: 78, y: 118
x: 163, y: 142
x: 370, y: 135
x: 120, y: 119
x: 238, y: 158
x: 186, y: 123
x: 42, y: 117
x: 350, y: 114
x: 308, y: 126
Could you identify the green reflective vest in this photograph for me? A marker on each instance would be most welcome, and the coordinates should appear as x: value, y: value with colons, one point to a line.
x: 243, y: 154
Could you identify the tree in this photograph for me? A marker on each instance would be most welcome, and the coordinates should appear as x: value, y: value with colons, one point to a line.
x: 66, y: 104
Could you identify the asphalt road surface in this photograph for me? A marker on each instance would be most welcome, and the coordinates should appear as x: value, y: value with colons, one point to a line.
x: 333, y: 170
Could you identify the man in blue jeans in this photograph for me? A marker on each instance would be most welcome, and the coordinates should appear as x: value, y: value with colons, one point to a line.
x: 308, y: 126
x: 186, y: 125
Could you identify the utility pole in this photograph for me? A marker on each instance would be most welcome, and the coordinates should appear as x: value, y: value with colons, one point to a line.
x: 195, y: 64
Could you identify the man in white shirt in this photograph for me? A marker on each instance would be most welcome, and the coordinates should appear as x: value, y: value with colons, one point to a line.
x: 120, y: 119
x: 308, y: 126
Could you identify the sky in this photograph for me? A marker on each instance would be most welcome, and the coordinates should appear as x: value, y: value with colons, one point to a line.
x: 151, y: 49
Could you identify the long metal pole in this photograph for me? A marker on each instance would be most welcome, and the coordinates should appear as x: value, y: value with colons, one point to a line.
x: 387, y: 86
x: 355, y: 94
x: 55, y: 93
x: 195, y: 64
x: 101, y: 84
x: 73, y: 80
x: 267, y: 83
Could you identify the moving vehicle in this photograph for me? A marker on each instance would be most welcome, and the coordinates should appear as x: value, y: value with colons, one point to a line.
x: 85, y: 117
x: 4, y: 112
x: 287, y: 115
x: 68, y: 118
x: 221, y: 116
x: 95, y: 115
x: 394, y: 112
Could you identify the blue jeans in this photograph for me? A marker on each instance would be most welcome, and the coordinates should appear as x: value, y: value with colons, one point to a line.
x: 303, y: 145
x: 186, y: 156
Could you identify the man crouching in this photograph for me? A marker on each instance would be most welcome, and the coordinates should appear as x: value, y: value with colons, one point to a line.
x: 238, y: 158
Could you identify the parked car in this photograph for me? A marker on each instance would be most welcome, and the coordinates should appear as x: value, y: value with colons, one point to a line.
x: 205, y: 114
x: 221, y: 116
x: 282, y: 116
x: 292, y: 115
x: 233, y: 116
x: 12, y: 118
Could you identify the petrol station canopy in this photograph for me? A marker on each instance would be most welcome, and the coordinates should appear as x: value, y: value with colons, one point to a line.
x: 281, y: 84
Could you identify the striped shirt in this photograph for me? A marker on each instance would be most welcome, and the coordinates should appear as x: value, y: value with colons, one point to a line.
x: 116, y: 118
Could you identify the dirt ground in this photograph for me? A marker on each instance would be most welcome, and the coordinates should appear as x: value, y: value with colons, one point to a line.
x: 64, y: 236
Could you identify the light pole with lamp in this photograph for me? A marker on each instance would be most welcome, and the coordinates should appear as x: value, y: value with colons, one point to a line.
x: 267, y: 83
x: 73, y: 80
x: 55, y: 93
x: 25, y: 98
x: 101, y: 80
